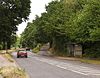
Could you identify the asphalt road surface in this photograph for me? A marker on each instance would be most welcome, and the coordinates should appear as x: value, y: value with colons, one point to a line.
x: 44, y: 67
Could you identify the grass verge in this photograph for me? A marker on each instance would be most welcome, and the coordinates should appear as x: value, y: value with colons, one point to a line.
x: 8, y: 57
x: 8, y: 51
x: 13, y: 72
x: 83, y: 60
x: 97, y: 62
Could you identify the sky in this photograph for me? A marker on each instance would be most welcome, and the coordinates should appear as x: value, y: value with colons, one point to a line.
x: 37, y: 7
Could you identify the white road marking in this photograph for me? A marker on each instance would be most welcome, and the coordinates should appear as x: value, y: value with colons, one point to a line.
x: 68, y: 66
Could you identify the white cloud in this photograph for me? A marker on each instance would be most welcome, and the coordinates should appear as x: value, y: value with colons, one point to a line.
x: 37, y: 7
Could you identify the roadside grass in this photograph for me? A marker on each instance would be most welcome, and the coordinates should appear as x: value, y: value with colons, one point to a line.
x: 37, y: 48
x: 8, y: 57
x: 90, y: 61
x: 13, y: 72
x: 2, y: 51
x: 83, y: 60
x: 8, y: 51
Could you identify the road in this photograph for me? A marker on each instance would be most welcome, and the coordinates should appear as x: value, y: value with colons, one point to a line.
x: 44, y: 67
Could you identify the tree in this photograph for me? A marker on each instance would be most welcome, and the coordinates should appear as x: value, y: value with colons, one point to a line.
x: 66, y: 21
x: 85, y: 24
x: 12, y: 13
x: 52, y: 25
x: 58, y: 18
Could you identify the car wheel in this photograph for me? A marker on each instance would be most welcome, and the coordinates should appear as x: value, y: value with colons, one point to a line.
x: 17, y: 56
x: 26, y: 56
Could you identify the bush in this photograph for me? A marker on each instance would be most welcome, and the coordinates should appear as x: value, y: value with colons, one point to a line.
x: 92, y: 50
x: 92, y: 53
x: 37, y: 48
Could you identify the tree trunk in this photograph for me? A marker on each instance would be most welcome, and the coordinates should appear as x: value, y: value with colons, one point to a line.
x: 4, y: 45
x: 51, y: 42
x: 8, y: 45
x: 83, y: 48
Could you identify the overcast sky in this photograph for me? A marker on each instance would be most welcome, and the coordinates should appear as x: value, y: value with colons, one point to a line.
x: 37, y: 7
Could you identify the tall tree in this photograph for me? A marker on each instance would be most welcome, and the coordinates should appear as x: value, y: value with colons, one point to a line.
x: 12, y: 13
x: 66, y: 21
x: 86, y: 23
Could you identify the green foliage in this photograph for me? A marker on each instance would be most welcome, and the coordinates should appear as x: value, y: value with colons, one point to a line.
x: 86, y: 21
x: 95, y: 34
x: 12, y: 13
x: 92, y: 50
x: 37, y: 48
x: 27, y: 37
x: 65, y: 21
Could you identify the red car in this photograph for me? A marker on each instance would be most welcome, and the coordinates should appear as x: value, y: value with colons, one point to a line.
x: 22, y: 53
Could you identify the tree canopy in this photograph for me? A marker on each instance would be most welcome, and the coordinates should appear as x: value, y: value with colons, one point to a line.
x: 66, y: 21
x: 12, y: 13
